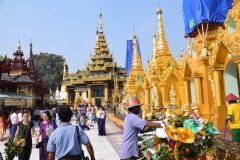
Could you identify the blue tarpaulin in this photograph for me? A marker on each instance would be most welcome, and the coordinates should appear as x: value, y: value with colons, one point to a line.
x: 198, y: 11
x: 129, y: 55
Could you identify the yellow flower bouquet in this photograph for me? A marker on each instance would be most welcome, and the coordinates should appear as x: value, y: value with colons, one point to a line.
x: 180, y: 138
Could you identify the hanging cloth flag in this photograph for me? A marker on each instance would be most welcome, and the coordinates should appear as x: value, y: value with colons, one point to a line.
x: 129, y: 55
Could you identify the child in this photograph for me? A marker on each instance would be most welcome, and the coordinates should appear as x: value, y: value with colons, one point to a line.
x: 83, y: 122
x: 94, y: 118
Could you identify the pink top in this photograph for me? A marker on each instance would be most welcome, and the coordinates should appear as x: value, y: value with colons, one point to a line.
x: 14, y: 118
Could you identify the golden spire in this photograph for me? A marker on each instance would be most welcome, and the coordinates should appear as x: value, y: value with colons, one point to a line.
x: 100, y: 23
x: 154, y: 47
x: 136, y: 60
x: 162, y: 44
x: 19, y: 46
x: 177, y: 58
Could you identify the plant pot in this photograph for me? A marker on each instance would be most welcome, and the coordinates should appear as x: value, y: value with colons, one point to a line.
x: 198, y: 158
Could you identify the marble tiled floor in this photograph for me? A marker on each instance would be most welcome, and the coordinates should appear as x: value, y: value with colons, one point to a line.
x: 105, y: 147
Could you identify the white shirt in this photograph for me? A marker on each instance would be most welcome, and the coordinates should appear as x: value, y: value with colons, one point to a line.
x: 14, y: 118
x: 41, y: 112
x: 98, y: 113
x: 19, y: 117
x: 102, y: 114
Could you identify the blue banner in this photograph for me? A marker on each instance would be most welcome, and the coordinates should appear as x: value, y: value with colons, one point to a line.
x: 198, y: 11
x: 129, y: 55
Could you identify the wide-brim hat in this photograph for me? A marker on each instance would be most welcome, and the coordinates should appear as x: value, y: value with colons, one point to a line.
x: 231, y: 97
x: 133, y: 102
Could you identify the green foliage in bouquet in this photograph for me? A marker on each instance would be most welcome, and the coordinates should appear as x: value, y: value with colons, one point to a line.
x: 13, y: 149
x: 114, y: 108
x: 183, y: 137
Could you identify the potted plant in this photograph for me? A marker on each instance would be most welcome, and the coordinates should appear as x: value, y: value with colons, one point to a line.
x: 182, y: 138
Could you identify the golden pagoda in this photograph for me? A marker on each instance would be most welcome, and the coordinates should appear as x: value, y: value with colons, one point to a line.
x: 163, y: 84
x: 97, y: 83
x: 134, y: 85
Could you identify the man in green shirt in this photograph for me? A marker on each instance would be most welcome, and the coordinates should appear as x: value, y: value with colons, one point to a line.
x: 233, y: 116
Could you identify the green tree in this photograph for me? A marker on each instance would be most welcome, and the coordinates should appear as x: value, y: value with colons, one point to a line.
x: 50, y: 68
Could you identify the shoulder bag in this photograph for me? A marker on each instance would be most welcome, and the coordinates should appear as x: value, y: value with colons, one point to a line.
x: 23, y: 140
x: 82, y: 152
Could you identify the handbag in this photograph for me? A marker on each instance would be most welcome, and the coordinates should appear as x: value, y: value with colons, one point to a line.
x: 82, y: 152
x: 38, y: 145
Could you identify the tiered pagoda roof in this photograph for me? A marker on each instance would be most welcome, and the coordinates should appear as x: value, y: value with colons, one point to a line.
x: 18, y: 62
x: 102, y: 59
x: 102, y: 66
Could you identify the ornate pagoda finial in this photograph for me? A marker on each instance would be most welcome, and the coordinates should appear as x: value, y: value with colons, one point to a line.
x: 159, y: 10
x: 19, y: 46
x: 162, y: 44
x: 182, y: 51
x: 100, y: 23
x: 177, y: 58
x: 136, y: 61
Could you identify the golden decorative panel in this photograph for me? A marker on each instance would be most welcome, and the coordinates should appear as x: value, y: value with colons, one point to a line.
x: 232, y: 47
x: 234, y: 14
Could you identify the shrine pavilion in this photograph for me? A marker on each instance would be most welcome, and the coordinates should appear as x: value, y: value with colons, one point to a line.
x: 19, y: 76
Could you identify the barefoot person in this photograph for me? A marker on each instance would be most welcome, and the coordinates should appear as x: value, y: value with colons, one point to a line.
x: 133, y: 124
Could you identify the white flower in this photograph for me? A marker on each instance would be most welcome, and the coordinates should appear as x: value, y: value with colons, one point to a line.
x: 160, y: 132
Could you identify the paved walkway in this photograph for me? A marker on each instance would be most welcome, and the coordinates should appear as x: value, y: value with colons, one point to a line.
x: 105, y: 147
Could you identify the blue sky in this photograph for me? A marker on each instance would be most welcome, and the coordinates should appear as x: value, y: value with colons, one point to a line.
x: 68, y: 27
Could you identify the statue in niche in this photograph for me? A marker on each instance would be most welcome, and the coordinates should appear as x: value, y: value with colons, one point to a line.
x: 205, y: 52
x: 187, y: 108
x: 155, y: 98
x: 196, y: 108
x: 210, y: 78
x: 173, y: 96
x: 144, y: 112
x: 168, y: 112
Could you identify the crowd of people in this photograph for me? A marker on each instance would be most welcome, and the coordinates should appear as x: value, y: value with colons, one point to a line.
x: 50, y: 120
x: 96, y: 114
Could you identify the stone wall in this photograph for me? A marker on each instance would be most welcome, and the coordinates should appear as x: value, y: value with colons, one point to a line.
x: 117, y: 120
